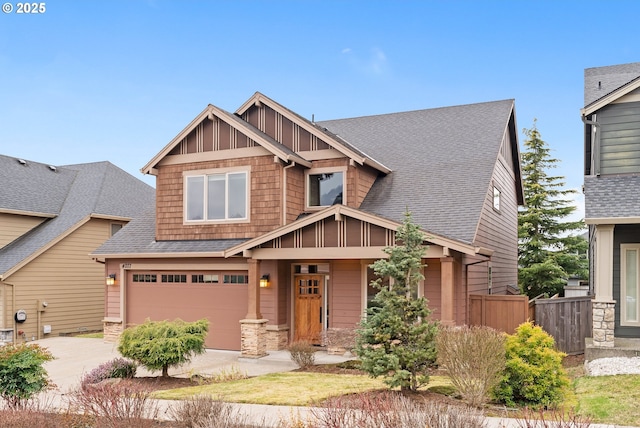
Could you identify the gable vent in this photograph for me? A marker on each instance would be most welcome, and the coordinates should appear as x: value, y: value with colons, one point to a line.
x: 22, y: 161
x: 53, y: 168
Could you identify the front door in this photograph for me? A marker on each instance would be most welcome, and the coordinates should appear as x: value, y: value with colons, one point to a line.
x: 308, y: 307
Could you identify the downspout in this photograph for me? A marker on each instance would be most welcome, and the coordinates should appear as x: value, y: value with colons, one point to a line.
x: 13, y: 307
x: 595, y: 145
x: 284, y: 192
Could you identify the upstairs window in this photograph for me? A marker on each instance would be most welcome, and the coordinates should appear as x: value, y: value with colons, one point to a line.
x: 220, y: 196
x: 325, y: 188
x: 496, y: 198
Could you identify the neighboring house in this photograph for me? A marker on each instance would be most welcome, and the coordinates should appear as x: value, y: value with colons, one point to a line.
x: 266, y: 223
x: 51, y: 218
x: 611, y: 184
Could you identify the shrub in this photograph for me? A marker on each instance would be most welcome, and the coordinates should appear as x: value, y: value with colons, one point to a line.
x: 303, y: 353
x: 474, y: 359
x: 116, y: 368
x: 158, y: 345
x: 533, y: 375
x: 207, y: 412
x: 122, y: 404
x: 22, y: 375
x: 552, y: 419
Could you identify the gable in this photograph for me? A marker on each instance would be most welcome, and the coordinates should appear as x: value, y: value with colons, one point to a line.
x: 12, y: 226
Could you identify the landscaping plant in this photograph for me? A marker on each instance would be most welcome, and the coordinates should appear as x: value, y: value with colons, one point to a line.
x: 473, y: 358
x: 22, y: 375
x: 116, y: 368
x: 396, y: 340
x: 303, y: 353
x: 158, y: 345
x: 533, y: 375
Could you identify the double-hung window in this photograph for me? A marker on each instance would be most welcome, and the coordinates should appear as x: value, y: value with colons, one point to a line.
x: 216, y: 196
x: 630, y: 285
x: 325, y: 187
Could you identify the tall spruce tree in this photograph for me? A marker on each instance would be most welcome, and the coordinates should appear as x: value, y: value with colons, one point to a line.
x: 397, y: 338
x: 548, y: 251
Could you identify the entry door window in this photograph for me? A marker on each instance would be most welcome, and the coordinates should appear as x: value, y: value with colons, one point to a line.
x: 629, y: 284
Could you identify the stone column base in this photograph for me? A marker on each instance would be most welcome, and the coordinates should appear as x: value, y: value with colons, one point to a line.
x: 253, y: 338
x: 277, y: 337
x: 113, y: 328
x: 604, y: 324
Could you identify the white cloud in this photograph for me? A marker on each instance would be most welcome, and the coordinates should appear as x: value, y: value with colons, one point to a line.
x: 375, y: 63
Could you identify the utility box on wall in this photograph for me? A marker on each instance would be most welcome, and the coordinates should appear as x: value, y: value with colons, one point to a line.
x: 6, y: 335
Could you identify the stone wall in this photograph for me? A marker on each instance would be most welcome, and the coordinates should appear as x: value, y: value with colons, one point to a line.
x: 603, y: 324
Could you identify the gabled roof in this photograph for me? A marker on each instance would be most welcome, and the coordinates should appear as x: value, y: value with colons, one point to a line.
x: 442, y: 161
x: 250, y: 131
x: 603, y: 85
x: 338, y: 211
x: 68, y: 196
x: 336, y: 141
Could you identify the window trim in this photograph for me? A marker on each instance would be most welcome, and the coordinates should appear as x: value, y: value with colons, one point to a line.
x: 623, y: 285
x: 496, y: 192
x: 216, y: 171
x: 324, y: 170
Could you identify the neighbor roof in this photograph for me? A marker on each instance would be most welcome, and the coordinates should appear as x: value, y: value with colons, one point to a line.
x: 609, y: 197
x: 442, y: 161
x: 67, y: 196
x: 602, y: 81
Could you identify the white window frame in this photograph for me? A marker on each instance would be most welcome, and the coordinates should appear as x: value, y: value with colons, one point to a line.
x: 218, y: 171
x: 497, y: 195
x: 623, y: 285
x: 326, y: 170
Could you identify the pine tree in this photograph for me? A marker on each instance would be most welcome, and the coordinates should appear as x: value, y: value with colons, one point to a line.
x: 397, y: 339
x: 548, y: 253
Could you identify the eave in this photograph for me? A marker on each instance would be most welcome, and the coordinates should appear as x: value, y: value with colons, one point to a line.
x: 612, y: 220
x: 610, y: 97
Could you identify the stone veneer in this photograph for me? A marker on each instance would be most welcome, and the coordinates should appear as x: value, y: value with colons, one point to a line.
x: 603, y: 324
x: 253, y: 338
x: 277, y: 337
x: 112, y: 330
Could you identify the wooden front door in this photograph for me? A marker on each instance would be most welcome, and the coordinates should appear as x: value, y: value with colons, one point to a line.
x: 308, y: 307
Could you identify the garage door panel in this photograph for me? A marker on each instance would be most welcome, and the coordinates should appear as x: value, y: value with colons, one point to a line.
x: 223, y: 305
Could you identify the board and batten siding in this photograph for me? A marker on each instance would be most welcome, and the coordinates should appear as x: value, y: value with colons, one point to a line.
x: 13, y: 226
x: 498, y: 231
x: 69, y: 281
x: 622, y: 234
x: 619, y: 138
x: 345, y: 294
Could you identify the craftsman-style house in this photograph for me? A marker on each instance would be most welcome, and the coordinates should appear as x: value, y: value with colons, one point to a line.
x: 611, y: 119
x: 51, y: 218
x: 266, y: 223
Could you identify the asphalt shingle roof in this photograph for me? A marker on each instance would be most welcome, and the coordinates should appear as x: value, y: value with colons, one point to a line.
x: 68, y: 193
x: 601, y: 81
x: 611, y: 196
x: 442, y: 162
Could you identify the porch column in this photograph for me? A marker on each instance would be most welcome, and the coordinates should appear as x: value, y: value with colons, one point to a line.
x: 253, y: 328
x: 447, y: 291
x: 603, y: 303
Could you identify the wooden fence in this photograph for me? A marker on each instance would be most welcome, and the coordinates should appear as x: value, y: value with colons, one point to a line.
x: 504, y: 313
x: 567, y: 319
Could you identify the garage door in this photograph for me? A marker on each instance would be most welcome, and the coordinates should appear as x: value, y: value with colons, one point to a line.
x: 220, y: 297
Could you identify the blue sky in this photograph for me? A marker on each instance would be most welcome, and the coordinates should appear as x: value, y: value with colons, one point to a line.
x: 116, y: 80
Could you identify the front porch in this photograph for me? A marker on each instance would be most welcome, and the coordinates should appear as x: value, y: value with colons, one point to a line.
x: 624, y: 347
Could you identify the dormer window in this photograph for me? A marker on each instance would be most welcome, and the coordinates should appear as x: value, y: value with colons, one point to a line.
x: 216, y: 195
x: 325, y: 187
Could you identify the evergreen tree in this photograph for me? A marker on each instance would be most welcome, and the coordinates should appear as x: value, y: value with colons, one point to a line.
x: 397, y: 338
x: 548, y: 253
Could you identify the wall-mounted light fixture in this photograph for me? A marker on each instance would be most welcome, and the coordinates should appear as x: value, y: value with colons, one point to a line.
x: 264, y: 281
x: 111, y: 279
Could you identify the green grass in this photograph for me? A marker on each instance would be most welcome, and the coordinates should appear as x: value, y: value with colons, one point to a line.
x: 609, y: 399
x: 287, y: 389
x: 98, y: 335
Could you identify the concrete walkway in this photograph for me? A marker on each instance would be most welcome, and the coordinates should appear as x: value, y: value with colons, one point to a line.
x: 75, y: 356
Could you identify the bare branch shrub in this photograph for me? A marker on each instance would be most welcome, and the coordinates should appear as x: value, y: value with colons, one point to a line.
x: 474, y: 359
x: 303, y: 353
x: 203, y: 411
x: 390, y: 409
x: 555, y: 418
x: 116, y: 404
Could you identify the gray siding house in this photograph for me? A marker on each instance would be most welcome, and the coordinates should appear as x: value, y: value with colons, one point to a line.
x: 611, y: 119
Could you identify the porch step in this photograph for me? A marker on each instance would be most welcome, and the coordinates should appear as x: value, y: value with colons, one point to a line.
x: 623, y: 347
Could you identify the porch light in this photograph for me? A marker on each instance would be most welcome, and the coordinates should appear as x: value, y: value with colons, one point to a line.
x: 111, y: 279
x: 264, y: 281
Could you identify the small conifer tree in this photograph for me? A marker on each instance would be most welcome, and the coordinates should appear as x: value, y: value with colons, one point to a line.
x: 397, y: 338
